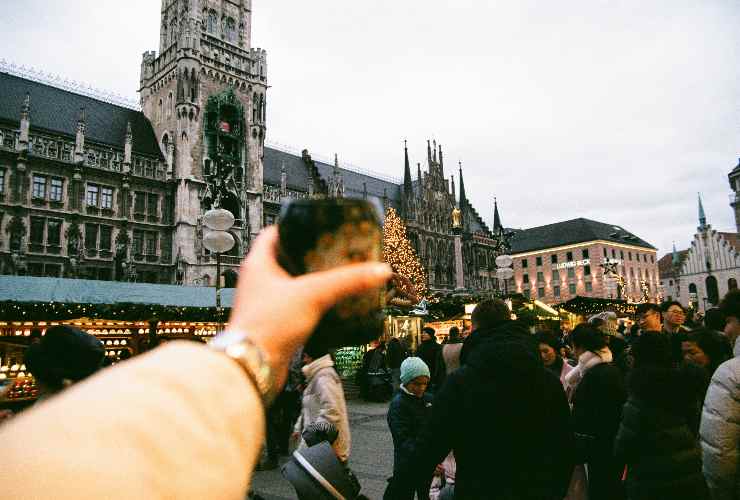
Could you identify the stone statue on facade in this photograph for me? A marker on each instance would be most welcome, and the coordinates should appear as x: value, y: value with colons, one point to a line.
x: 456, y: 218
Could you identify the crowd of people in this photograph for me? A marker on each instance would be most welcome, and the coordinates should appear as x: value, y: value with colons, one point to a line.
x: 644, y: 413
x: 648, y: 413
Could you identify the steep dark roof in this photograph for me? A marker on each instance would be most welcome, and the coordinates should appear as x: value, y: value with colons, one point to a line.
x: 295, y: 167
x: 353, y: 183
x: 570, y: 232
x: 57, y: 111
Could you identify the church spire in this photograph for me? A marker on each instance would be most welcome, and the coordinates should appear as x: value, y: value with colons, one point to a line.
x: 429, y: 153
x: 463, y: 199
x: 408, y: 188
x: 674, y: 257
x: 496, y: 217
x: 702, y: 216
x: 441, y: 162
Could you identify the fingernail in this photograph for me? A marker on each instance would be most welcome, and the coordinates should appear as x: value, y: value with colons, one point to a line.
x: 382, y: 269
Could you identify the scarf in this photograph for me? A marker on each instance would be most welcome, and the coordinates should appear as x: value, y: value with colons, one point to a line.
x: 586, y: 361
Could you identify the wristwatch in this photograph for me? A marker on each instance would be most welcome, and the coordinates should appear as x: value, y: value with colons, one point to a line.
x: 251, y: 358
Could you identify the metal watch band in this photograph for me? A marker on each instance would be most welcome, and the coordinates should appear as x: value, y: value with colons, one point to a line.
x: 239, y: 347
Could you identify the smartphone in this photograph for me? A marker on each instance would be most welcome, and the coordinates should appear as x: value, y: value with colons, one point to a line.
x: 316, y: 235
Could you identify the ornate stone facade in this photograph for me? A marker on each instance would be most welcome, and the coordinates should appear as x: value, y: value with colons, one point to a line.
x: 205, y: 95
x: 91, y: 188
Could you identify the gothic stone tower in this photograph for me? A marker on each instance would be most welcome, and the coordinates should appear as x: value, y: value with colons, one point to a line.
x: 205, y: 96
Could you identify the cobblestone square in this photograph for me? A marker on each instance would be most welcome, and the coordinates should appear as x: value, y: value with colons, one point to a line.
x: 371, y: 459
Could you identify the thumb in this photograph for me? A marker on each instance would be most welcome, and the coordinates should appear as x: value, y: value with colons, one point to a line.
x: 326, y: 288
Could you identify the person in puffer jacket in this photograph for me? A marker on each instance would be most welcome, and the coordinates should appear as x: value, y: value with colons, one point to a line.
x: 655, y: 437
x: 720, y: 421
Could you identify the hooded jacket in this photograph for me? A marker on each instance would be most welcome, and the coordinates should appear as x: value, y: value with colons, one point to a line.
x: 513, y: 419
x: 323, y: 400
x: 406, y: 415
x: 720, y: 430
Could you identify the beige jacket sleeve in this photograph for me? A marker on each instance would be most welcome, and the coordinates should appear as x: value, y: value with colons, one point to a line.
x: 180, y: 422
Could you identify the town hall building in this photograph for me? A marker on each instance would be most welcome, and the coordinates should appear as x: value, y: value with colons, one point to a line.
x: 98, y: 189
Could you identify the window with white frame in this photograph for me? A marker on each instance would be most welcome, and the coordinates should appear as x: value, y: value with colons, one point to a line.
x: 38, y: 189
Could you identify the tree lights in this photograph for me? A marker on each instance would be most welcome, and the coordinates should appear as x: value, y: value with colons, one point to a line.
x: 398, y: 252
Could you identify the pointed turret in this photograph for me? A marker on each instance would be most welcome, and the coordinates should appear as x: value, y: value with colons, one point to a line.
x: 418, y: 173
x: 497, y: 227
x: 127, y: 148
x: 463, y: 200
x: 441, y: 162
x: 336, y: 185
x: 454, y: 194
x: 24, y: 138
x: 80, y: 138
x: 283, y: 180
x: 702, y: 216
x: 434, y: 154
x: 429, y: 153
x: 674, y: 256
x: 408, y: 188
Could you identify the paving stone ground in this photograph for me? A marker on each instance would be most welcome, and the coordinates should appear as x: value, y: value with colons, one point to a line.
x: 371, y: 458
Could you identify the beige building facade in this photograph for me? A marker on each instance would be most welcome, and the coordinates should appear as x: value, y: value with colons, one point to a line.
x: 561, y: 261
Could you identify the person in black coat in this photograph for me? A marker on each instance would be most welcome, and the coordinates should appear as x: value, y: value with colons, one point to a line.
x: 408, y: 411
x: 431, y: 353
x: 507, y: 420
x: 655, y: 438
x: 597, y: 408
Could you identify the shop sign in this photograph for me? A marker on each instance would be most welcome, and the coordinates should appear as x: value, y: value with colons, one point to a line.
x: 575, y: 263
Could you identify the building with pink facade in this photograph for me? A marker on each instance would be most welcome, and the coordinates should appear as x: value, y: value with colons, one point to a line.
x: 558, y: 262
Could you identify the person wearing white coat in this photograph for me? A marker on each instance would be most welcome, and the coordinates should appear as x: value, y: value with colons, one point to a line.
x: 720, y: 422
x: 323, y: 399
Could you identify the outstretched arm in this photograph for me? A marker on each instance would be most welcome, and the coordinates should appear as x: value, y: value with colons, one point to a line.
x: 182, y: 421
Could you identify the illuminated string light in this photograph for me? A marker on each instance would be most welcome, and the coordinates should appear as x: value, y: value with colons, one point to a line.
x: 398, y: 252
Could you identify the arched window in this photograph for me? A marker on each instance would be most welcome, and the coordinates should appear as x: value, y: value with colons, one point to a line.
x: 159, y: 111
x: 712, y: 290
x: 169, y: 105
x: 264, y: 108
x: 230, y: 34
x: 165, y: 144
x: 212, y: 22
x: 731, y: 284
x: 255, y: 104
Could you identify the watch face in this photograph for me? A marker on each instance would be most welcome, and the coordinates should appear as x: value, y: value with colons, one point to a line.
x: 226, y: 338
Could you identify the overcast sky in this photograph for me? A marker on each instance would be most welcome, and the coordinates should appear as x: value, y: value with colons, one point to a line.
x: 619, y: 111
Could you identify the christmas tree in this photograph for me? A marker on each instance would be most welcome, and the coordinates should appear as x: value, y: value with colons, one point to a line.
x: 398, y: 252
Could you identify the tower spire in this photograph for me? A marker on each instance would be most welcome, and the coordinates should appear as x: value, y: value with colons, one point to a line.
x: 702, y: 215
x: 496, y: 217
x: 463, y: 199
x: 429, y: 153
x: 441, y: 162
x: 407, y: 185
x: 674, y: 257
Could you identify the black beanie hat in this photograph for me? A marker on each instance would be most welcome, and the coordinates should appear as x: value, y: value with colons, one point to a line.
x: 64, y: 352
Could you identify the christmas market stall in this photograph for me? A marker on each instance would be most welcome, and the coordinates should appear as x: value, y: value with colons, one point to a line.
x: 579, y: 309
x: 128, y: 318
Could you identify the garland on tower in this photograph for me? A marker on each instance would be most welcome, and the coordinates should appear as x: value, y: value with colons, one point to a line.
x: 398, y: 252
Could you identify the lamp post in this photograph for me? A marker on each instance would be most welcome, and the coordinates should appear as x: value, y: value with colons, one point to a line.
x: 218, y: 240
x: 504, y: 271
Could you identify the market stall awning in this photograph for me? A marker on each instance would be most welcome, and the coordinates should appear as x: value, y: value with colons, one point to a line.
x: 587, y: 306
x: 73, y: 291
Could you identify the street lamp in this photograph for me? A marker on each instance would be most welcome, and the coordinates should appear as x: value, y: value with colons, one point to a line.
x: 218, y: 240
x: 504, y: 271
